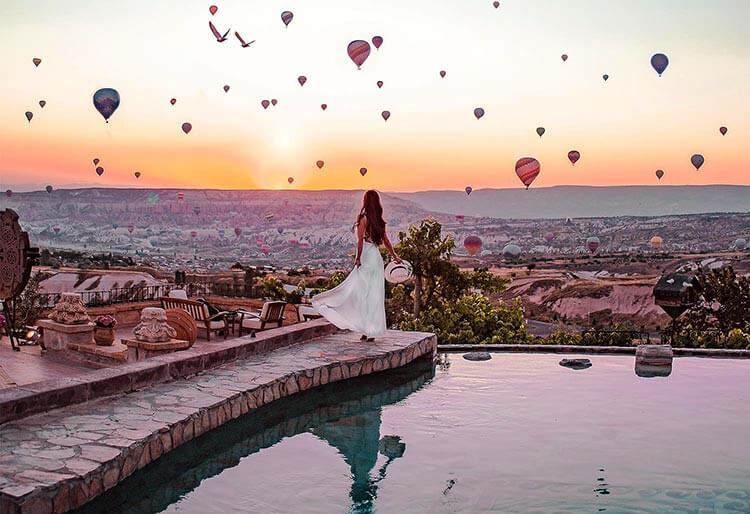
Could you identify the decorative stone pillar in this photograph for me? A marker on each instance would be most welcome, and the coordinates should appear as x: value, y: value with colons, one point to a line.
x: 68, y: 323
x: 153, y: 336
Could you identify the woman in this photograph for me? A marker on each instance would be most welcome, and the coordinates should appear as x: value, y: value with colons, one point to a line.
x: 358, y: 303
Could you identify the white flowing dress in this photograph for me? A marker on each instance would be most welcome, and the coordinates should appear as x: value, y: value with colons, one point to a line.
x: 358, y: 303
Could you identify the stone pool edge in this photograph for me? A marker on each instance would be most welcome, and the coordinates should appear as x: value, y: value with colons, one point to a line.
x: 723, y: 353
x: 73, y: 492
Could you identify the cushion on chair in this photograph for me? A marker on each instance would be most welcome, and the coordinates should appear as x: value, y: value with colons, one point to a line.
x: 251, y: 323
x: 178, y: 293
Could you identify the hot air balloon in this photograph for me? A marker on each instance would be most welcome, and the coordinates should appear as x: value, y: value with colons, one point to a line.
x: 37, y: 61
x: 527, y: 169
x: 99, y: 170
x: 301, y: 79
x: 9, y: 193
x: 320, y: 164
x: 468, y: 190
x: 656, y: 242
x: 564, y: 57
x: 173, y: 101
x: 478, y: 112
x: 549, y: 237
x: 137, y: 174
x: 48, y: 189
x: 213, y: 9
x: 592, y: 244
x: 358, y: 51
x: 659, y: 62
x: 131, y: 228
x: 42, y: 103
x: 290, y: 179
x: 324, y: 106
x: 540, y: 131
x: 740, y: 244
x: 472, y: 244
x: 29, y: 115
x: 196, y: 210
x: 237, y: 231
x: 573, y: 156
x: 280, y: 230
x: 605, y: 77
x: 187, y: 127
x: 193, y: 234
x: 380, y: 84
x: 180, y: 196
x: 511, y: 252
x: 270, y: 217
x: 265, y: 104
x: 274, y: 102
x: 95, y: 161
x: 460, y: 217
x: 377, y: 41
x: 106, y: 101
x: 226, y: 88
x: 386, y: 115
x: 57, y: 230
x: 723, y: 131
x: 697, y: 161
x: 442, y: 74
x: 659, y: 174
x: 286, y: 17
x: 363, y: 171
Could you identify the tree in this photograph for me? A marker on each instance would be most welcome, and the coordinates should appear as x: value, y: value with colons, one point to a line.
x: 31, y: 303
x: 725, y: 302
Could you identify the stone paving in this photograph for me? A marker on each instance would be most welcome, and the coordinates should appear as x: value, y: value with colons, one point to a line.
x: 59, y: 460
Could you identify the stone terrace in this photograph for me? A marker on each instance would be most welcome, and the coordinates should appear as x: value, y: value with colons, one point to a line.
x: 59, y: 460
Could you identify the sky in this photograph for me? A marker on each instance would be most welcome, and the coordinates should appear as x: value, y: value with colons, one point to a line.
x: 505, y: 60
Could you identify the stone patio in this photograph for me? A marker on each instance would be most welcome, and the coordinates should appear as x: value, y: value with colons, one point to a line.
x: 59, y: 460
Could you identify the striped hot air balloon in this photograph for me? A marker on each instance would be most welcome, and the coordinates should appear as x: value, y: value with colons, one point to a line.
x: 358, y: 51
x: 527, y: 169
x: 180, y: 196
x: 473, y: 244
x: 377, y: 41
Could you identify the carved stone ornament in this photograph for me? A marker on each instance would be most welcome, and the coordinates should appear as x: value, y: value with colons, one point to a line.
x: 70, y: 310
x: 153, y: 327
x: 15, y: 264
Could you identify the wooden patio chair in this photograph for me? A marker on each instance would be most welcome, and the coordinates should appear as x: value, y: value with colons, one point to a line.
x: 271, y: 314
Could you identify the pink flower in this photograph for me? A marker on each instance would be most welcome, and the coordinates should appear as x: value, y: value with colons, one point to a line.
x: 105, y: 321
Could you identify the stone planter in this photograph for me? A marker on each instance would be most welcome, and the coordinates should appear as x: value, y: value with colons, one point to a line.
x: 104, y: 336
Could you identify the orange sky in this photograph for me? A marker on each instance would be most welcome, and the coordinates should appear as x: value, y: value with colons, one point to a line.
x: 505, y: 60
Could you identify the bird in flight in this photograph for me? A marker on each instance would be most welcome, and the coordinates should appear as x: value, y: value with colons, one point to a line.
x: 216, y: 33
x: 242, y: 41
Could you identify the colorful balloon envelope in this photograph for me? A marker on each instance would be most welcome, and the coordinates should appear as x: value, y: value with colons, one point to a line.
x: 265, y: 104
x: 8, y: 193
x: 106, y: 101
x: 605, y: 77
x: 287, y: 17
x: 472, y: 244
x: 324, y: 106
x: 29, y: 115
x: 363, y: 171
x: 573, y: 156
x: 358, y: 51
x: 269, y: 217
x: 380, y: 84
x: 137, y: 174
x: 386, y: 115
x: 511, y: 252
x: 193, y: 234
x: 95, y: 161
x: 723, y: 131
x: 468, y: 190
x: 540, y: 131
x: 656, y: 242
x: 301, y: 79
x: 173, y: 101
x: 659, y: 62
x: 478, y: 112
x: 460, y: 217
x: 37, y: 61
x: 226, y: 89
x: 99, y: 170
x: 495, y: 4
x: 180, y: 196
x: 48, y: 189
x: 237, y: 231
x: 187, y: 127
x: 564, y: 57
x: 290, y: 179
x: 549, y: 237
x: 57, y: 230
x: 740, y: 244
x: 527, y: 169
x: 196, y: 210
x: 42, y: 103
x: 697, y: 160
x: 274, y: 101
x: 213, y: 9
x: 320, y: 164
x: 131, y: 228
x: 442, y: 74
x: 592, y: 244
x: 377, y: 41
x: 659, y: 174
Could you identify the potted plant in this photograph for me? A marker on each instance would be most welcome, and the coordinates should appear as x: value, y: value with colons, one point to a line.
x: 104, y: 331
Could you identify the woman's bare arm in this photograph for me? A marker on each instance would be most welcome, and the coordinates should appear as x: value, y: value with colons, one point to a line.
x: 361, y: 226
x: 389, y: 247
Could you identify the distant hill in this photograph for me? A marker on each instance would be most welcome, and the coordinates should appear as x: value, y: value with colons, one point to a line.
x: 585, y: 201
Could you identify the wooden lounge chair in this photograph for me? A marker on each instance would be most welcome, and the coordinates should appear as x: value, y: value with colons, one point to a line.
x: 272, y: 314
x: 199, y: 312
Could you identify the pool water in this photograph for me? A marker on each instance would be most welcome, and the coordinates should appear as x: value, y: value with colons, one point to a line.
x: 518, y: 433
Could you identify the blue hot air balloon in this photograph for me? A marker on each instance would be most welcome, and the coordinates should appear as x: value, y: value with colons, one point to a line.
x: 106, y: 101
x: 659, y: 62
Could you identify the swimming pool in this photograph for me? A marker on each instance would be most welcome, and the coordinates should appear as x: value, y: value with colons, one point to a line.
x: 517, y: 433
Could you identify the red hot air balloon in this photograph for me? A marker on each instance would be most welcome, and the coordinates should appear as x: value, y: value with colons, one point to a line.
x: 473, y: 244
x: 380, y: 84
x: 99, y: 170
x: 386, y: 115
x: 358, y: 51
x: 540, y: 131
x: 723, y: 131
x: 29, y: 115
x: 42, y: 103
x: 659, y: 174
x: 697, y: 160
x: 442, y: 74
x: 527, y: 169
x: 301, y: 79
x: 363, y: 171
x: 320, y: 164
x: 287, y: 17
x: 180, y: 196
x: 237, y: 231
x: 324, y: 106
x: 193, y: 234
x: 460, y: 217
x: 478, y: 112
x: 137, y: 174
x: 213, y: 9
x: 468, y: 190
x: 377, y: 41
x: 573, y: 156
x: 226, y: 89
x: 274, y: 102
x: 290, y: 179
x: 265, y: 104
x: 187, y: 127
x: 564, y: 57
x: 95, y: 161
x: 37, y: 61
x: 57, y: 230
x: 173, y: 101
x: 131, y: 228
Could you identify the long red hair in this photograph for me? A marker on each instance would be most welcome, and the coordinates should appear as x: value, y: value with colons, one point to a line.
x: 373, y: 211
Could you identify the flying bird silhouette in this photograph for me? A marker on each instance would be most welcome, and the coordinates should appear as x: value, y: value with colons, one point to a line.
x: 216, y: 33
x: 242, y: 41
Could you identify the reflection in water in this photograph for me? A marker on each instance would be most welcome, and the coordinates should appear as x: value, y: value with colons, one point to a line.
x: 346, y: 415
